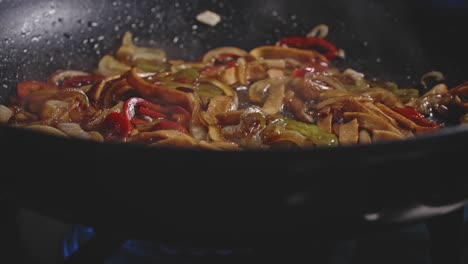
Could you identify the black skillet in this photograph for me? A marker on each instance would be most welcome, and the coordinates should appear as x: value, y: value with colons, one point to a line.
x: 199, y: 196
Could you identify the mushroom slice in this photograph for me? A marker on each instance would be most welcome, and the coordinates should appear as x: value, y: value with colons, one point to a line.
x: 371, y: 122
x: 298, y: 108
x: 354, y: 105
x: 231, y: 118
x: 405, y: 121
x: 211, y: 55
x: 276, y: 52
x: 334, y: 102
x: 349, y: 133
x: 377, y: 111
x: 326, y: 123
x: 383, y: 135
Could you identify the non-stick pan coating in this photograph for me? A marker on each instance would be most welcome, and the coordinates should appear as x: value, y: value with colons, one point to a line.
x: 145, y: 191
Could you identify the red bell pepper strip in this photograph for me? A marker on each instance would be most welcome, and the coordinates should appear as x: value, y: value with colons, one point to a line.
x: 79, y: 81
x: 413, y: 115
x: 331, y: 51
x: 148, y: 112
x: 119, y: 123
x: 176, y: 113
x: 170, y: 125
x: 129, y: 107
x: 180, y: 115
x: 24, y: 89
x: 311, y: 68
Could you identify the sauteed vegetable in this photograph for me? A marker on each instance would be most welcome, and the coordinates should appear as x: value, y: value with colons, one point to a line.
x: 286, y: 95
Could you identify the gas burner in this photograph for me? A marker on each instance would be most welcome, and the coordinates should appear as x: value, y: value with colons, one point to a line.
x: 79, y: 235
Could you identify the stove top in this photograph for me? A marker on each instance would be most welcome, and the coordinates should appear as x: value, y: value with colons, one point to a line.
x: 47, y: 241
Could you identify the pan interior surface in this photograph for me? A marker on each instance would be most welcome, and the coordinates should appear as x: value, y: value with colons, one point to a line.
x: 395, y: 41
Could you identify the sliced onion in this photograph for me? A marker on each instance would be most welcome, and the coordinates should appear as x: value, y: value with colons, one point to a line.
x: 214, y: 133
x: 320, y: 31
x: 130, y: 53
x: 74, y: 130
x: 150, y: 90
x: 462, y: 89
x: 276, y: 52
x: 182, y: 65
x: 211, y: 55
x: 226, y: 88
x: 60, y: 75
x: 274, y: 63
x: 332, y: 82
x: 5, y: 114
x: 102, y: 116
x: 364, y: 137
x: 357, y: 76
x: 53, y: 109
x: 109, y: 66
x: 115, y: 90
x: 218, y: 105
x: 166, y: 134
x: 47, y: 130
x: 36, y: 100
x: 258, y: 90
x: 436, y: 75
x: 290, y: 136
x: 229, y: 76
x: 98, y: 88
x: 219, y: 146
x: 75, y: 93
x: 274, y: 101
x: 242, y: 71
